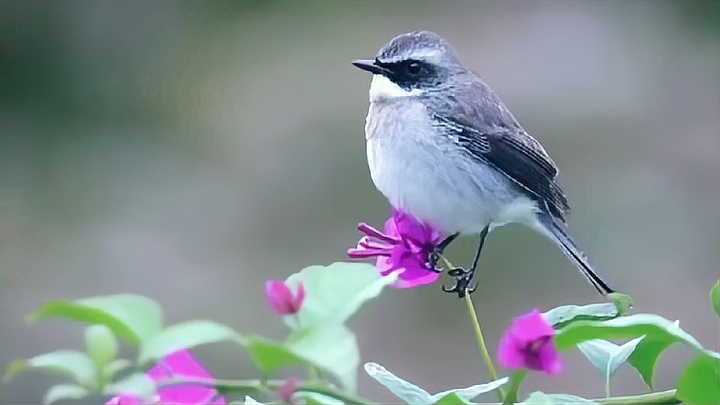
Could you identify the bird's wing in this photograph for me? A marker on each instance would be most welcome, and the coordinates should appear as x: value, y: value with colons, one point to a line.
x: 486, y: 130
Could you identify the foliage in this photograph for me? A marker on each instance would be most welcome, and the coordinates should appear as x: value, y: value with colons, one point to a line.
x: 320, y: 341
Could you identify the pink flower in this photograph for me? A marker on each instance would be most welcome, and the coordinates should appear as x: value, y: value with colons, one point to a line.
x: 180, y: 364
x: 281, y: 299
x: 404, y: 244
x: 528, y: 343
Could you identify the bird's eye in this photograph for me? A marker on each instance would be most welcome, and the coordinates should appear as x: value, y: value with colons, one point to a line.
x: 413, y: 68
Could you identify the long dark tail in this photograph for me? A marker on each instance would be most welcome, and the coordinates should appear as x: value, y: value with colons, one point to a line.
x: 562, y: 238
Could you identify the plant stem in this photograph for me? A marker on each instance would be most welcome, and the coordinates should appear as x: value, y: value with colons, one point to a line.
x: 481, y: 343
x: 662, y: 397
x: 478, y: 334
x: 225, y: 386
x: 607, y: 387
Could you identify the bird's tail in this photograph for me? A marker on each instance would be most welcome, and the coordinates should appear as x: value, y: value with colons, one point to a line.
x: 559, y: 234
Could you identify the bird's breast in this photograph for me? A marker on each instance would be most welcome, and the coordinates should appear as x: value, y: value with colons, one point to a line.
x: 423, y: 173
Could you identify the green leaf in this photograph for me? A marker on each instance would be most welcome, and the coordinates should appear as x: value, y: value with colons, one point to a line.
x: 335, y: 292
x: 563, y: 315
x: 659, y: 334
x: 138, y: 384
x: 65, y: 391
x: 700, y: 381
x: 331, y: 347
x: 541, y: 398
x: 403, y: 389
x: 313, y: 398
x: 516, y: 379
x: 101, y: 345
x: 72, y: 363
x: 412, y: 394
x: 645, y: 361
x: 468, y: 393
x: 607, y: 357
x: 250, y: 401
x: 114, y: 367
x: 452, y: 399
x: 131, y: 317
x: 715, y: 297
x: 186, y: 335
x: 269, y: 355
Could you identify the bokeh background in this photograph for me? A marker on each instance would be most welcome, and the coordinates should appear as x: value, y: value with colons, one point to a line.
x: 188, y: 151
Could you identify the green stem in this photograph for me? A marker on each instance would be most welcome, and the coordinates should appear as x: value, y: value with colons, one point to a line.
x: 607, y: 387
x: 478, y: 335
x: 225, y: 386
x: 663, y: 397
x: 516, y: 379
x: 481, y: 343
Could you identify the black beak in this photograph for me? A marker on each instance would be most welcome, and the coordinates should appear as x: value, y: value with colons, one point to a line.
x: 370, y: 66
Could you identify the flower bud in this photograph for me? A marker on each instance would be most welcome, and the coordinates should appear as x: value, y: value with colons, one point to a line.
x: 281, y: 299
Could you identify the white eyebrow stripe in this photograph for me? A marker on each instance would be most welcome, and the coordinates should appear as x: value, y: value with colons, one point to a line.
x: 426, y: 55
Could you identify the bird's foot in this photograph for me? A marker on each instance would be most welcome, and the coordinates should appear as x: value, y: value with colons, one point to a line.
x: 462, y: 282
x: 434, y: 258
x: 436, y: 253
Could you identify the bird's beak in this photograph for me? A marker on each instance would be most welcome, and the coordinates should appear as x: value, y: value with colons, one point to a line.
x: 370, y: 66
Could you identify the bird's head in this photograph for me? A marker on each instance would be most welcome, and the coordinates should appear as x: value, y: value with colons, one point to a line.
x: 410, y: 65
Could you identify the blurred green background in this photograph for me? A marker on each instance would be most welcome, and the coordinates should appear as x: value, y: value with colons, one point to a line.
x: 188, y: 151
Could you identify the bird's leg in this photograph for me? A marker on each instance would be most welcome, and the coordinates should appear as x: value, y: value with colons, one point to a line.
x: 462, y: 276
x: 437, y: 251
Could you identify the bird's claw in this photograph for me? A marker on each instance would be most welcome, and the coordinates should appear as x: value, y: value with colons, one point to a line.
x: 433, y: 259
x: 462, y: 282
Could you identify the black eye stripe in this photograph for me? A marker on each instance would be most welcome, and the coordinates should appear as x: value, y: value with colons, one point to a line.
x: 411, y: 66
x: 411, y: 73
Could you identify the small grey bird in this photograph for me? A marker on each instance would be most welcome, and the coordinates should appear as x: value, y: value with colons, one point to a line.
x: 443, y: 147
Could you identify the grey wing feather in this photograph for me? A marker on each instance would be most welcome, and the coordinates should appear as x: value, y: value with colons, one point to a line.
x: 481, y: 124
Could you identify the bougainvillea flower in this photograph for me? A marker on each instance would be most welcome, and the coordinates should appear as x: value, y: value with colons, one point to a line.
x: 528, y: 343
x: 404, y: 244
x: 281, y: 299
x: 178, y: 365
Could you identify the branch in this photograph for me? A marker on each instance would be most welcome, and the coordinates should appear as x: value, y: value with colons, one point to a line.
x: 662, y: 397
x: 272, y: 385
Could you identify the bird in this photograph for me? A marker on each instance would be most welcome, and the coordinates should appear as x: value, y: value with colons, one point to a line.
x: 443, y: 147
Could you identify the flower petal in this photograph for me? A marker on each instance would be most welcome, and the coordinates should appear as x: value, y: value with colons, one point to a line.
x: 531, y: 326
x: 528, y: 343
x: 549, y: 360
x: 182, y: 364
x: 279, y: 296
x: 509, y: 354
x: 362, y: 253
x: 299, y: 298
x: 404, y: 245
x: 414, y: 273
x: 372, y: 232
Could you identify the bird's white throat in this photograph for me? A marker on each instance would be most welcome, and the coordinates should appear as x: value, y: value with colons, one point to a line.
x: 382, y: 88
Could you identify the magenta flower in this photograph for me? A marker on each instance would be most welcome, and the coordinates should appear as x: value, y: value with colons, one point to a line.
x: 404, y: 244
x: 180, y: 364
x: 281, y: 299
x: 528, y: 343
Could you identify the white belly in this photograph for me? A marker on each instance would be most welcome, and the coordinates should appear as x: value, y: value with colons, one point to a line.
x: 431, y: 180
